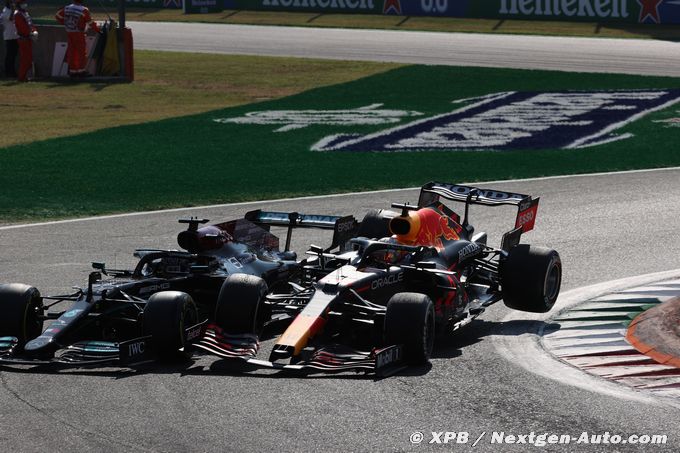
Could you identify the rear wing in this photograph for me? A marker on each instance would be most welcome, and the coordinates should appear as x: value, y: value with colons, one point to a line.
x: 344, y: 228
x: 527, y: 206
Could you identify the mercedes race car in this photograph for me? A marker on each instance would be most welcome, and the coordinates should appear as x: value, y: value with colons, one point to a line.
x: 414, y: 274
x: 161, y: 306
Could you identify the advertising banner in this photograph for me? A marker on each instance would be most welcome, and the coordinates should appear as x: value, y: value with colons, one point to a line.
x: 202, y: 6
x: 445, y: 8
x: 174, y: 4
x: 112, y: 5
x: 628, y: 11
x: 622, y: 11
x: 321, y: 6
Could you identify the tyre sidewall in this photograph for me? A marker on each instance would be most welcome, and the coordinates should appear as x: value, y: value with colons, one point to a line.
x: 409, y: 320
x: 239, y: 307
x: 166, y: 316
x: 20, y: 305
x: 531, y: 278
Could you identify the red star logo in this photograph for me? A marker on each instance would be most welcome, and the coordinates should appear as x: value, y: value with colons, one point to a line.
x: 392, y: 7
x: 649, y: 8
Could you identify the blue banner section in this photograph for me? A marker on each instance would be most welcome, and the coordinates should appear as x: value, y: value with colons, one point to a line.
x: 659, y: 11
x: 447, y: 8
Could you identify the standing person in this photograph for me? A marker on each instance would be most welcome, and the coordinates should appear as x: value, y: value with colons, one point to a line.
x: 76, y: 18
x: 11, y: 37
x: 27, y: 34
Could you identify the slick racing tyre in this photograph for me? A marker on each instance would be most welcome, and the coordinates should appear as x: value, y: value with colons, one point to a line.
x: 531, y: 278
x: 21, y: 311
x: 376, y: 224
x: 166, y: 315
x: 409, y: 321
x: 240, y: 304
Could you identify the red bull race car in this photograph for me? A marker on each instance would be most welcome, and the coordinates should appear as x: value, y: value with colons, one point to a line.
x: 413, y: 274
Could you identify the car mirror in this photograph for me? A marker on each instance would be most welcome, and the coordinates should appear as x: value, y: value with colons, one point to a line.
x: 316, y: 249
x: 100, y: 267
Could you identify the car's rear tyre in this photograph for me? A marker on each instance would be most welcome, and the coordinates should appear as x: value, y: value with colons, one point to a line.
x: 376, y: 224
x: 409, y: 321
x: 531, y: 278
x: 166, y: 315
x: 21, y: 311
x: 240, y: 304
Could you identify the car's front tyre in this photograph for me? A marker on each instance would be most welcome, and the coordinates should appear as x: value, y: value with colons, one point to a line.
x: 21, y: 312
x: 409, y: 321
x: 240, y: 304
x: 166, y: 316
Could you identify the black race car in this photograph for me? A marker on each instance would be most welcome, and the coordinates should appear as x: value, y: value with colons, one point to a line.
x: 414, y: 275
x: 158, y: 308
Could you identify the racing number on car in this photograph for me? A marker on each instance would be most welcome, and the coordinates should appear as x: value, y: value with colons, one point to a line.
x: 527, y: 217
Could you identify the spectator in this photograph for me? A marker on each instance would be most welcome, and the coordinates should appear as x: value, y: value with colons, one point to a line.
x: 27, y: 34
x: 10, y: 37
x: 76, y: 18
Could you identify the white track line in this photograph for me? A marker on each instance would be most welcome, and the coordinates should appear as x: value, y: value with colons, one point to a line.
x: 318, y: 197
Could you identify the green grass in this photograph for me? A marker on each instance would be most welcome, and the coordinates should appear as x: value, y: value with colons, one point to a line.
x: 167, y: 85
x: 193, y: 160
x: 45, y: 14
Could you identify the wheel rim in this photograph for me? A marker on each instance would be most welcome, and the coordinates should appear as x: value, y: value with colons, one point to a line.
x: 552, y: 282
x: 189, y: 318
x: 32, y: 323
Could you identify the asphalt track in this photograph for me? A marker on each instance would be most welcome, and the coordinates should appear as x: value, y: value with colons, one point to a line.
x: 630, y: 56
x: 605, y: 227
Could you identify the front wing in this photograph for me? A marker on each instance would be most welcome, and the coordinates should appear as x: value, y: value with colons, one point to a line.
x: 83, y: 353
x: 212, y: 339
x: 334, y: 359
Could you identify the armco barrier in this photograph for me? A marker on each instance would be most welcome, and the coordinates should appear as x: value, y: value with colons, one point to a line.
x: 609, y: 11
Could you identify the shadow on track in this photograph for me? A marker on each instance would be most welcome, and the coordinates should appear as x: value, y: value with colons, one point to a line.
x: 447, y: 347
